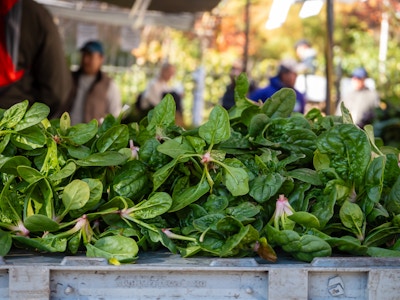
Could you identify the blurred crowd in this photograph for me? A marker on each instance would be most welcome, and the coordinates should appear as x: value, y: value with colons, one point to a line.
x: 34, y: 68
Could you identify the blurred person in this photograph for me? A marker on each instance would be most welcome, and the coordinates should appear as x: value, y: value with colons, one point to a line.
x: 32, y: 61
x: 360, y: 101
x: 307, y: 56
x: 286, y: 77
x: 94, y: 94
x: 156, y: 90
x: 228, y: 98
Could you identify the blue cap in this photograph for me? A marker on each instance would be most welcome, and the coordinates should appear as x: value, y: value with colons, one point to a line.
x: 93, y: 46
x: 359, y: 73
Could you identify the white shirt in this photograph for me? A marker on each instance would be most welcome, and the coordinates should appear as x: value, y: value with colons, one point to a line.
x: 359, y: 103
x: 154, y: 92
x: 84, y: 84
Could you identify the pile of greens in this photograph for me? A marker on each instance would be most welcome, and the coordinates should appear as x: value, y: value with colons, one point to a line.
x: 250, y: 181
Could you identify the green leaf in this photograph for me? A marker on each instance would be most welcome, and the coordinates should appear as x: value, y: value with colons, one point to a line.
x: 305, y: 175
x: 76, y: 194
x: 163, y: 114
x: 373, y: 184
x: 349, y: 151
x: 50, y: 162
x: 346, y: 115
x: 13, y: 115
x: 393, y: 201
x: 189, y: 195
x: 352, y: 216
x: 305, y: 219
x: 30, y: 138
x: 311, y: 247
x: 263, y: 187
x: 29, y: 174
x: 205, y: 222
x: 241, y: 101
x: 243, y: 240
x: 382, y: 252
x: 67, y: 171
x: 78, y: 152
x: 217, y: 128
x: 216, y: 203
x: 5, y: 243
x: 257, y: 124
x: 161, y: 175
x: 176, y: 147
x: 348, y: 244
x: 281, y: 104
x: 35, y: 114
x: 65, y: 123
x: 49, y: 243
x: 131, y: 181
x: 9, y: 165
x: 197, y: 144
x: 82, y: 133
x: 150, y: 155
x: 4, y: 141
x: 236, y: 180
x: 117, y: 247
x: 323, y: 208
x: 104, y: 159
x: 244, y: 212
x: 40, y: 223
x: 113, y: 139
x: 96, y: 192
x: 156, y: 205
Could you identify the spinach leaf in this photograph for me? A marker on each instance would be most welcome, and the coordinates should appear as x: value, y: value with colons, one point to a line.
x: 352, y: 217
x: 281, y: 104
x: 35, y: 114
x: 113, y: 139
x: 349, y: 151
x: 217, y: 128
x: 120, y: 248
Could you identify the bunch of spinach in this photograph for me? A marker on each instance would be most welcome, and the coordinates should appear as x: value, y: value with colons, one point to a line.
x: 254, y: 179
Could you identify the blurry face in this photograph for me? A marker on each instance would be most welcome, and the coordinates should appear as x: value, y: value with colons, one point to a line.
x: 357, y: 83
x: 91, y: 62
x: 235, y: 72
x: 167, y: 73
x: 300, y: 51
x: 289, y: 79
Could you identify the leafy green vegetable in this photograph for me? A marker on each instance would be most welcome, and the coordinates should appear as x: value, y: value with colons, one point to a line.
x: 246, y: 181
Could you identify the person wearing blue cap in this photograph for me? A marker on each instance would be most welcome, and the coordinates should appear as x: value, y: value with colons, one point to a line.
x: 95, y: 94
x: 360, y: 101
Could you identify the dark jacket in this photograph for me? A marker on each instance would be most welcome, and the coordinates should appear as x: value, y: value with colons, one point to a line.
x: 46, y: 76
x: 96, y: 103
x: 275, y: 85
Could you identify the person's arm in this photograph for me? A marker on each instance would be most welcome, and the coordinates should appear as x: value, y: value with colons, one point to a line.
x: 52, y: 77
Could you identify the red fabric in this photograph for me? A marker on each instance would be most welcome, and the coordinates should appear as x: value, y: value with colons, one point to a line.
x: 8, y: 72
x: 5, y: 6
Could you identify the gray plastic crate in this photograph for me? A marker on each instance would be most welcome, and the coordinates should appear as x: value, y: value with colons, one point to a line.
x: 166, y: 276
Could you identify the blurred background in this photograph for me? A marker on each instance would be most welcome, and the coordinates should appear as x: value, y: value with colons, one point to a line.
x: 205, y: 38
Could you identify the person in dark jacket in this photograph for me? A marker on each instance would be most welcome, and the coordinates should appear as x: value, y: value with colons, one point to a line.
x: 32, y: 60
x: 286, y: 77
x: 94, y: 94
x: 228, y: 98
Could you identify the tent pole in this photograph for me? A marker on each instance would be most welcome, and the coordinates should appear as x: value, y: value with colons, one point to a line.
x: 246, y: 37
x: 330, y: 104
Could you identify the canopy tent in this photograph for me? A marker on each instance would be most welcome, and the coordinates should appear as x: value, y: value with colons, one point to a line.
x: 177, y: 14
x: 169, y: 6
